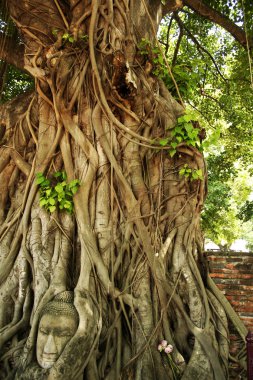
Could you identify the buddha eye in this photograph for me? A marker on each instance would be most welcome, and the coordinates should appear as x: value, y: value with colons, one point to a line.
x: 64, y: 334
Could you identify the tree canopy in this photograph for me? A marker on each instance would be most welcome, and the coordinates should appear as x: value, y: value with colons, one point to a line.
x: 214, y: 75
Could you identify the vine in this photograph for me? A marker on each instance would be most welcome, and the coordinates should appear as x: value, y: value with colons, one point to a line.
x: 59, y: 194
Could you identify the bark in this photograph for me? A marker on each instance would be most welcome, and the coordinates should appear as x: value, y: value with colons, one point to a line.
x: 131, y: 254
x: 12, y: 52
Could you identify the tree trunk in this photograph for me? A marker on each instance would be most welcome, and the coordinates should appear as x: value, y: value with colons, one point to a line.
x: 129, y: 260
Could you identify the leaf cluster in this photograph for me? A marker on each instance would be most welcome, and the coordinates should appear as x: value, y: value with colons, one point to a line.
x: 15, y: 83
x: 68, y: 37
x: 192, y: 174
x: 58, y: 194
x: 184, y: 132
x: 246, y: 211
x: 183, y: 73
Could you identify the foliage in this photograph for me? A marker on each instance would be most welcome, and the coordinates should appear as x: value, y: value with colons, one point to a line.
x: 185, y: 131
x: 192, y: 174
x: 246, y: 211
x: 68, y: 37
x: 216, y: 83
x: 16, y: 83
x: 229, y: 189
x: 182, y: 73
x: 59, y: 194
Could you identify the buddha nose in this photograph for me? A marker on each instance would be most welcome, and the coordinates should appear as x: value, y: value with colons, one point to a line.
x: 50, y: 346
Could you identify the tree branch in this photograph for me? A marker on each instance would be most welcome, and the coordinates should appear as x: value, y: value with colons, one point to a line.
x: 196, y: 42
x: 181, y: 33
x: 11, y: 52
x: 171, y: 6
x: 213, y: 15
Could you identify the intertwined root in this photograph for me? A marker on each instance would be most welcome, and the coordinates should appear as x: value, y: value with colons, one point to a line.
x: 132, y: 251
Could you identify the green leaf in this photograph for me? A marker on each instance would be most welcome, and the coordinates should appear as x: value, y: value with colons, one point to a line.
x: 172, y: 152
x: 59, y: 188
x: 200, y: 174
x: 43, y: 202
x: 45, y: 183
x: 188, y: 117
x: 67, y: 204
x: 51, y: 201
x: 57, y: 174
x: 191, y: 142
x: 188, y: 127
x: 181, y: 119
x: 51, y: 208
x: 164, y: 141
x: 74, y: 189
x: 71, y: 39
x: 39, y: 180
x: 74, y: 183
x: 178, y: 129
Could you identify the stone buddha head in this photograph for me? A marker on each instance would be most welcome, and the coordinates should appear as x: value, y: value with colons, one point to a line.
x: 58, y: 324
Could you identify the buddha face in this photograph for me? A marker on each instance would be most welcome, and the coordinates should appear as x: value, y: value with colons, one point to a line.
x: 53, y: 334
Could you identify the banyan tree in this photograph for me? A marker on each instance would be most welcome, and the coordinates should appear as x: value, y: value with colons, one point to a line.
x: 101, y: 251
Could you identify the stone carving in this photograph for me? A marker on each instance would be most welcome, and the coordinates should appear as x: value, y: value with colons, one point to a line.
x: 58, y: 324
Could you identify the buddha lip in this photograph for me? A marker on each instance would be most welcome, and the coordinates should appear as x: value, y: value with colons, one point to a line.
x: 49, y: 357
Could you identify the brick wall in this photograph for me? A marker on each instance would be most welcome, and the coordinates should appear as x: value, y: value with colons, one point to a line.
x: 233, y: 274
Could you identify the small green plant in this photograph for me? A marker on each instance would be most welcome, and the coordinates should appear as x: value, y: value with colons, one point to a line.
x: 192, y: 174
x: 186, y: 129
x: 184, y: 132
x: 84, y: 38
x: 67, y: 37
x: 57, y: 194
